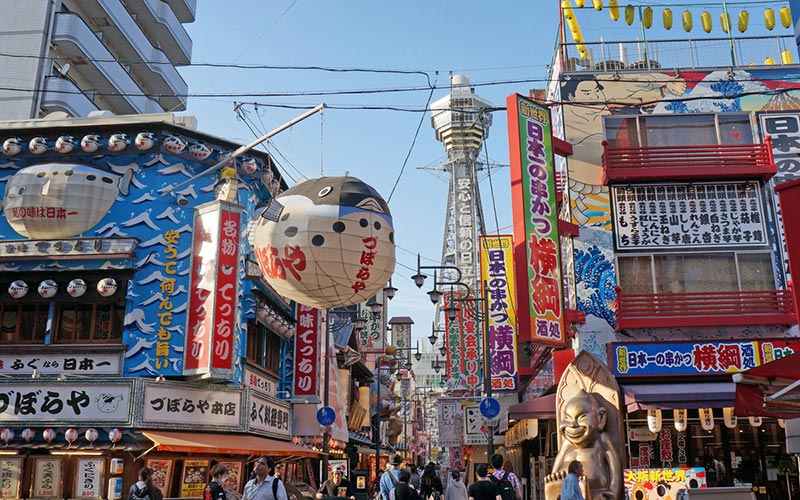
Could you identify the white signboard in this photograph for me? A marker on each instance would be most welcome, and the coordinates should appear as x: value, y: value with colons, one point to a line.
x: 784, y: 132
x: 10, y: 477
x: 191, y: 407
x: 688, y: 215
x: 56, y: 364
x: 260, y: 383
x: 270, y: 417
x: 473, y: 426
x: 33, y: 403
x: 450, y: 420
x: 89, y: 479
x: 47, y: 478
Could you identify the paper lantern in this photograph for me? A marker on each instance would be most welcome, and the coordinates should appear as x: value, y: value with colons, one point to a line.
x: 12, y: 146
x: 49, y: 435
x: 744, y: 20
x: 47, y: 289
x: 597, y: 4
x: 91, y: 435
x: 28, y: 434
x: 90, y: 143
x: 65, y: 144
x: 725, y: 21
x: 38, y: 145
x: 107, y: 287
x: 679, y: 416
x: 71, y: 435
x: 82, y: 193
x: 706, y: 418
x: 687, y: 20
x: 249, y: 165
x: 781, y: 423
x: 144, y: 141
x: 654, y: 420
x: 333, y: 245
x: 18, y: 289
x: 705, y: 20
x: 629, y: 14
x: 786, y: 17
x: 76, y: 288
x: 666, y: 17
x: 729, y: 418
x: 647, y: 17
x: 199, y: 151
x: 755, y: 421
x: 174, y: 144
x: 114, y: 435
x: 769, y: 18
x: 613, y: 9
x: 117, y: 142
x: 7, y: 435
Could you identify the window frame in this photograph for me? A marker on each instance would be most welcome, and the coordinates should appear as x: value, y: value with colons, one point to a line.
x: 641, y: 126
x: 58, y: 318
x: 269, y: 359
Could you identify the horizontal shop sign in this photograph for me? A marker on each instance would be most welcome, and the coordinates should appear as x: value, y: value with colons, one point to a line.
x: 36, y: 402
x: 65, y: 362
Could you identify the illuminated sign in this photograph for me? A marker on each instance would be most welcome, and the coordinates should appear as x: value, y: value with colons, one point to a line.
x: 306, y: 352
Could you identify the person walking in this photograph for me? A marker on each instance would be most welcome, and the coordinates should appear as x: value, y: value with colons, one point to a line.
x: 571, y: 487
x: 483, y: 488
x: 337, y: 486
x: 264, y: 486
x: 214, y: 489
x: 404, y: 491
x: 390, y: 479
x: 456, y: 490
x: 500, y: 475
x: 430, y: 484
x: 143, y: 489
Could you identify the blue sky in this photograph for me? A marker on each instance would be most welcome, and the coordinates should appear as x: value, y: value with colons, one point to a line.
x: 488, y: 41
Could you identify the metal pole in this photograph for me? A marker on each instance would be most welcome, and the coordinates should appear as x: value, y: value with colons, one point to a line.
x: 326, y: 436
x: 487, y: 363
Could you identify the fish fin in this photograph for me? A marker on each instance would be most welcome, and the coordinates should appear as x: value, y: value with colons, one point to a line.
x: 124, y: 182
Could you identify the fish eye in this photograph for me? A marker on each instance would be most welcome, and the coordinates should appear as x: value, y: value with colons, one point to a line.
x: 40, y: 174
x: 285, y: 217
x: 318, y: 240
x: 107, y: 180
x: 21, y: 190
x: 377, y: 225
x: 55, y: 172
x: 91, y: 177
x: 291, y: 232
x: 363, y: 223
x: 325, y: 191
x: 339, y: 226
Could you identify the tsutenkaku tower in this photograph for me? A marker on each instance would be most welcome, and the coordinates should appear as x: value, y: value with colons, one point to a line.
x: 461, y: 121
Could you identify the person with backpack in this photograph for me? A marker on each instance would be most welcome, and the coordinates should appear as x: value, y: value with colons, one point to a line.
x: 264, y: 486
x: 430, y: 484
x: 508, y: 484
x: 483, y: 488
x: 214, y: 489
x: 143, y: 489
x: 391, y: 477
x: 404, y: 491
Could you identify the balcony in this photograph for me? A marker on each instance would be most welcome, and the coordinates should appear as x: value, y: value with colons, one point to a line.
x: 163, y: 28
x: 709, y: 309
x: 98, y: 67
x: 697, y: 162
x: 61, y: 94
x: 183, y: 9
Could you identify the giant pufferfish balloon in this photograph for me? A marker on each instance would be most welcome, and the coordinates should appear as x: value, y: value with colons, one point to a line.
x: 333, y: 245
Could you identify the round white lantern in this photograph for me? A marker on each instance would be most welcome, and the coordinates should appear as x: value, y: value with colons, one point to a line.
x: 654, y: 420
x: 248, y: 164
x: 76, y: 288
x: 114, y: 435
x: 65, y: 144
x: 680, y: 418
x: 38, y: 145
x: 332, y: 246
x: 7, y: 435
x: 199, y: 151
x: 47, y: 289
x: 71, y: 435
x: 49, y: 434
x: 12, y: 146
x: 117, y: 142
x: 18, y: 289
x: 174, y: 144
x: 90, y: 143
x: 107, y: 287
x: 144, y: 140
x: 91, y: 435
x: 28, y: 434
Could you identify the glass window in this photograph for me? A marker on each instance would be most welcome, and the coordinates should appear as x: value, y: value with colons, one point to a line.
x: 636, y: 274
x: 755, y: 271
x: 23, y: 323
x: 622, y: 132
x: 735, y: 129
x: 679, y: 130
x: 263, y: 347
x: 89, y: 322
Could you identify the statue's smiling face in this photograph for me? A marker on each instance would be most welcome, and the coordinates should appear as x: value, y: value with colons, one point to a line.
x: 583, y: 420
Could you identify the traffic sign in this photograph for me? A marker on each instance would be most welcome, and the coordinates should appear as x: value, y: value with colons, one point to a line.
x: 327, y: 415
x: 490, y: 407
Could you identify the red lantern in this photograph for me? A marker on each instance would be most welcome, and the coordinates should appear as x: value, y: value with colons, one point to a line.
x: 71, y: 435
x: 49, y: 435
x: 28, y: 435
x: 7, y: 435
x: 114, y: 435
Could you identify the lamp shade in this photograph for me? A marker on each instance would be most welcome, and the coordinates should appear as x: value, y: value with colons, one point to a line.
x: 729, y: 418
x: 654, y: 420
x: 679, y: 416
x: 332, y: 246
x: 706, y: 418
x: 755, y: 421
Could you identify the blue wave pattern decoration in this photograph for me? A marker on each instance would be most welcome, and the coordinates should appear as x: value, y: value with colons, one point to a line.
x: 596, y: 274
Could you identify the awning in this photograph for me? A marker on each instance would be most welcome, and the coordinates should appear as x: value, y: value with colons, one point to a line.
x: 359, y: 439
x: 679, y: 396
x: 231, y: 444
x: 543, y: 408
x: 769, y: 390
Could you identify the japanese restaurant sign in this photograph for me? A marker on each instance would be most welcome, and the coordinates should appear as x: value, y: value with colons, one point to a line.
x: 194, y: 408
x: 267, y: 416
x: 536, y: 243
x: 688, y: 215
x: 454, y: 340
x: 89, y: 479
x: 10, y: 470
x: 87, y: 402
x: 307, y: 352
x: 642, y: 482
x: 695, y: 358
x: 497, y: 272
x: 195, y: 476
x: 80, y: 363
x: 46, y: 478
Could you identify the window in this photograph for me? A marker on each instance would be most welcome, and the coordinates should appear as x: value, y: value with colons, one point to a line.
x: 678, y: 130
x: 263, y: 347
x: 88, y: 322
x: 23, y: 323
x: 700, y: 272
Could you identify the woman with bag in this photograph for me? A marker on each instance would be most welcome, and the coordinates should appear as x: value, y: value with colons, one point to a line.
x: 431, y: 486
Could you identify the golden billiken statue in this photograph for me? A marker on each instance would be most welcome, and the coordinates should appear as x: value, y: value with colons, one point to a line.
x: 583, y: 430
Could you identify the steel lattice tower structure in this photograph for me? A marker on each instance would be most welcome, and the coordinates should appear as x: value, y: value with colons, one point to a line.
x: 461, y: 121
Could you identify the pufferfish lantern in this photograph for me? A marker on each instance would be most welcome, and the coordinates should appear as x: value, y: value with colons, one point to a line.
x: 332, y: 246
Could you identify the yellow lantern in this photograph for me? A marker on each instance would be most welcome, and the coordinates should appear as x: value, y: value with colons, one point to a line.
x: 579, y: 3
x: 786, y: 57
x: 647, y: 17
x: 666, y: 16
x: 613, y: 9
x: 629, y: 13
x: 786, y: 17
x: 597, y: 4
x: 705, y: 20
x: 769, y: 18
x: 744, y: 20
x: 769, y: 61
x: 725, y: 21
x: 687, y: 21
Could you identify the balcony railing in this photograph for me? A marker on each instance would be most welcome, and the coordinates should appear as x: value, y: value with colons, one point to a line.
x: 676, y: 310
x: 706, y: 162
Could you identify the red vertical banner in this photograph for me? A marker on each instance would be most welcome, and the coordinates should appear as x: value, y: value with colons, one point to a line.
x: 473, y: 362
x: 455, y: 345
x: 225, y: 306
x: 306, y: 352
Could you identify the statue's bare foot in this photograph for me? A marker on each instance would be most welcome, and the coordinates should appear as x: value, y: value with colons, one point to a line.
x: 555, y: 476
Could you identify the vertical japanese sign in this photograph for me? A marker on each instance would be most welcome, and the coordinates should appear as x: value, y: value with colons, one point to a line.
x: 401, y: 338
x: 89, y: 479
x: 497, y: 271
x: 472, y: 352
x: 536, y: 250
x: 306, y: 353
x: 10, y: 470
x: 212, y: 300
x: 46, y: 478
x: 455, y: 345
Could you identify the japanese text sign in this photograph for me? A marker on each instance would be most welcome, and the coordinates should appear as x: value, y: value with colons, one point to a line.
x: 192, y: 407
x: 268, y: 416
x: 27, y: 403
x: 536, y: 252
x: 89, y: 478
x: 47, y: 478
x: 10, y: 470
x: 82, y: 363
x: 307, y: 352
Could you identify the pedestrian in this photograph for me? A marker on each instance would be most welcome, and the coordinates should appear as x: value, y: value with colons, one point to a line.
x: 456, y: 490
x: 571, y: 487
x: 404, y: 491
x: 264, y: 486
x: 214, y: 489
x: 375, y: 488
x: 279, y: 468
x: 143, y: 489
x: 501, y: 477
x: 416, y: 480
x: 483, y: 488
x: 430, y: 484
x: 392, y: 476
x: 337, y: 486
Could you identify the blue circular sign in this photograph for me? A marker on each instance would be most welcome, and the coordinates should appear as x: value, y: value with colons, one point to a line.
x: 490, y: 407
x: 327, y: 415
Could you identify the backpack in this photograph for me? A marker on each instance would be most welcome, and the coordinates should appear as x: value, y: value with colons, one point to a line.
x: 275, y: 481
x: 139, y: 494
x: 504, y: 487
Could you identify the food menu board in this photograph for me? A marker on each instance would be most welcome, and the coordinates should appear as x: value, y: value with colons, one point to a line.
x: 194, y: 478
x: 10, y: 477
x: 89, y: 479
x: 162, y: 473
x: 47, y: 478
x: 234, y: 478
